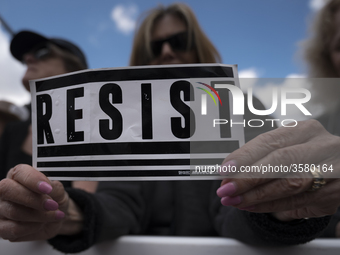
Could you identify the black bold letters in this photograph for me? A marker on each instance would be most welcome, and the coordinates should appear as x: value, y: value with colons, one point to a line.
x: 43, y: 124
x: 117, y: 120
x: 73, y: 114
x: 189, y: 118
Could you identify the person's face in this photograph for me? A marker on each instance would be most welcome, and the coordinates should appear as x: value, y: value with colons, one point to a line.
x: 335, y: 45
x: 166, y: 27
x: 41, y: 66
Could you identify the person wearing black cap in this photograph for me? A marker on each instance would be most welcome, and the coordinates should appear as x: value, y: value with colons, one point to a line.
x: 46, y: 57
x: 43, y: 57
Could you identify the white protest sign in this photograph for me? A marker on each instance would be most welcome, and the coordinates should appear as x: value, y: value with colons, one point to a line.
x: 133, y: 123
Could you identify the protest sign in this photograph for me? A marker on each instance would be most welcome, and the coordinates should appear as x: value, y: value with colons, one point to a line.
x: 134, y: 123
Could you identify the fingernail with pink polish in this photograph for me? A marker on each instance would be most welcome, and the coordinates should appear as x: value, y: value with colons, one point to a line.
x: 226, y: 190
x: 59, y: 215
x: 44, y: 187
x: 51, y: 205
x: 228, y: 168
x: 231, y: 200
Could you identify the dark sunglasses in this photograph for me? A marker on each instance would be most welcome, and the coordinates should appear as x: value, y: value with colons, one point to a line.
x: 178, y: 42
x: 41, y: 52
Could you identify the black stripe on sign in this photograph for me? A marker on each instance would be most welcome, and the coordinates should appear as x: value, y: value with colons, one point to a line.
x: 137, y: 173
x: 130, y: 74
x: 138, y: 148
x: 131, y: 162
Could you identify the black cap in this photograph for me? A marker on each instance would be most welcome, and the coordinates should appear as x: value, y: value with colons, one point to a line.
x: 25, y: 41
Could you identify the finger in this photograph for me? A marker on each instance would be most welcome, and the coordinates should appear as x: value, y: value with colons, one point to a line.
x: 43, y: 233
x: 14, y: 192
x: 268, y: 142
x: 268, y: 148
x: 59, y: 195
x: 17, y: 212
x: 305, y: 212
x: 284, y: 204
x: 323, y: 201
x: 282, y: 163
x: 12, y: 230
x: 276, y: 189
x: 30, y: 178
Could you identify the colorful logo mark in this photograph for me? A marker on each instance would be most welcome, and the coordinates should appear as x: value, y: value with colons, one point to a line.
x: 204, y: 97
x: 208, y: 92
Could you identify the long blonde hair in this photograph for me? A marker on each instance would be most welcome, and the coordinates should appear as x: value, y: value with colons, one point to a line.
x: 141, y: 52
x: 316, y: 52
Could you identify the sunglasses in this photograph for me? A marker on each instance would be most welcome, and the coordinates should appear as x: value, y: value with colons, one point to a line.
x: 178, y: 42
x: 41, y: 52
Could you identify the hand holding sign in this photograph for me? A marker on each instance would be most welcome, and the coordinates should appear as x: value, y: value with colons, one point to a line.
x: 33, y: 208
x: 307, y: 143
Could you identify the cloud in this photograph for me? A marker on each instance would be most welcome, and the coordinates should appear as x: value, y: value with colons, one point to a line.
x: 11, y: 71
x: 316, y: 5
x: 248, y: 73
x: 296, y: 75
x: 125, y: 18
x: 248, y: 78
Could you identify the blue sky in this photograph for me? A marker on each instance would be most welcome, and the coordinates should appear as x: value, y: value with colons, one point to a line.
x: 261, y: 36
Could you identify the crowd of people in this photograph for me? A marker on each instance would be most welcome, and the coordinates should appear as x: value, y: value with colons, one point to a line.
x: 286, y: 210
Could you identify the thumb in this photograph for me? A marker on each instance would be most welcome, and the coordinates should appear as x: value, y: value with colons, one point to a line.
x: 59, y: 195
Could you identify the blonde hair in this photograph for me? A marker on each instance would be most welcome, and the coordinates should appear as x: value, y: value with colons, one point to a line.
x: 316, y: 52
x: 141, y: 51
